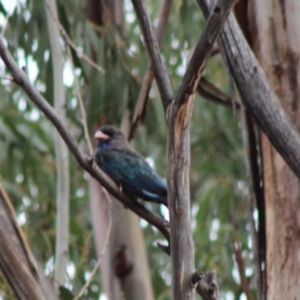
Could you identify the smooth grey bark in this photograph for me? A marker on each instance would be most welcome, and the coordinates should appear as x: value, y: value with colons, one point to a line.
x: 61, y: 150
x: 124, y: 266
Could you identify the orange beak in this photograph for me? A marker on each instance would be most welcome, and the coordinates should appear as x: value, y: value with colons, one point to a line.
x: 100, y: 136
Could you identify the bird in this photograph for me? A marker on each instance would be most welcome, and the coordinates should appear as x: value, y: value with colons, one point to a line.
x: 127, y: 168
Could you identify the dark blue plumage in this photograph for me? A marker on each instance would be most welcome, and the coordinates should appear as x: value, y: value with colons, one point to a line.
x: 128, y: 168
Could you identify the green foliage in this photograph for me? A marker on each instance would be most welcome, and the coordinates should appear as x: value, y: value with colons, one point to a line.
x: 27, y: 163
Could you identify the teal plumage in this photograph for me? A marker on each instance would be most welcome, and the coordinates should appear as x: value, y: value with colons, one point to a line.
x: 127, y: 167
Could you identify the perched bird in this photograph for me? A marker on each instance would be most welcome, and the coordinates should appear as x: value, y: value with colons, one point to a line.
x: 127, y: 168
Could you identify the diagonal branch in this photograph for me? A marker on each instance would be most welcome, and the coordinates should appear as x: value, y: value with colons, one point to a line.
x: 140, y: 107
x: 241, y: 267
x: 158, y: 66
x: 20, y: 78
x: 256, y: 93
x: 211, y: 93
x: 203, y: 50
x: 71, y: 43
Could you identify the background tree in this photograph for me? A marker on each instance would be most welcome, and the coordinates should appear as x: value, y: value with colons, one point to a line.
x: 278, y: 50
x: 219, y: 193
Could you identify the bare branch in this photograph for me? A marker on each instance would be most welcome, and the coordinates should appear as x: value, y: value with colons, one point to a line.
x: 256, y: 93
x: 70, y: 42
x: 85, y: 162
x: 5, y: 23
x: 211, y: 93
x: 241, y: 267
x: 140, y: 107
x: 158, y: 66
x: 203, y: 50
x: 83, y: 112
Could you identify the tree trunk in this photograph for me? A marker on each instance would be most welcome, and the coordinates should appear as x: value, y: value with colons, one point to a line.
x: 124, y: 267
x: 61, y: 150
x: 276, y: 31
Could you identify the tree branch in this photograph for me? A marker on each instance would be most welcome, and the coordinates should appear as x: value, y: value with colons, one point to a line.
x: 256, y: 93
x: 158, y: 66
x: 68, y: 40
x: 241, y: 267
x: 20, y: 78
x: 140, y: 107
x: 203, y: 50
x: 211, y: 93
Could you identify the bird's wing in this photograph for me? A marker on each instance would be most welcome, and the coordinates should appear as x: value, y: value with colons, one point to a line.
x: 132, y: 171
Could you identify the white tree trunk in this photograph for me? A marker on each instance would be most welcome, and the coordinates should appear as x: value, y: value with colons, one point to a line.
x: 61, y: 150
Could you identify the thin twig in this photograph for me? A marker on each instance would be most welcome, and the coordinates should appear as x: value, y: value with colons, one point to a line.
x: 20, y: 233
x: 71, y: 43
x: 108, y: 232
x: 240, y: 263
x: 141, y: 103
x: 6, y: 20
x: 82, y: 108
x: 211, y: 93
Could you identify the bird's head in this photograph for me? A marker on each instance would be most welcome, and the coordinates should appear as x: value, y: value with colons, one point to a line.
x: 109, y: 136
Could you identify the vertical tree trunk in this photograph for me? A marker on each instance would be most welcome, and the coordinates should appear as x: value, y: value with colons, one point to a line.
x: 61, y: 150
x: 124, y: 267
x: 276, y: 32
